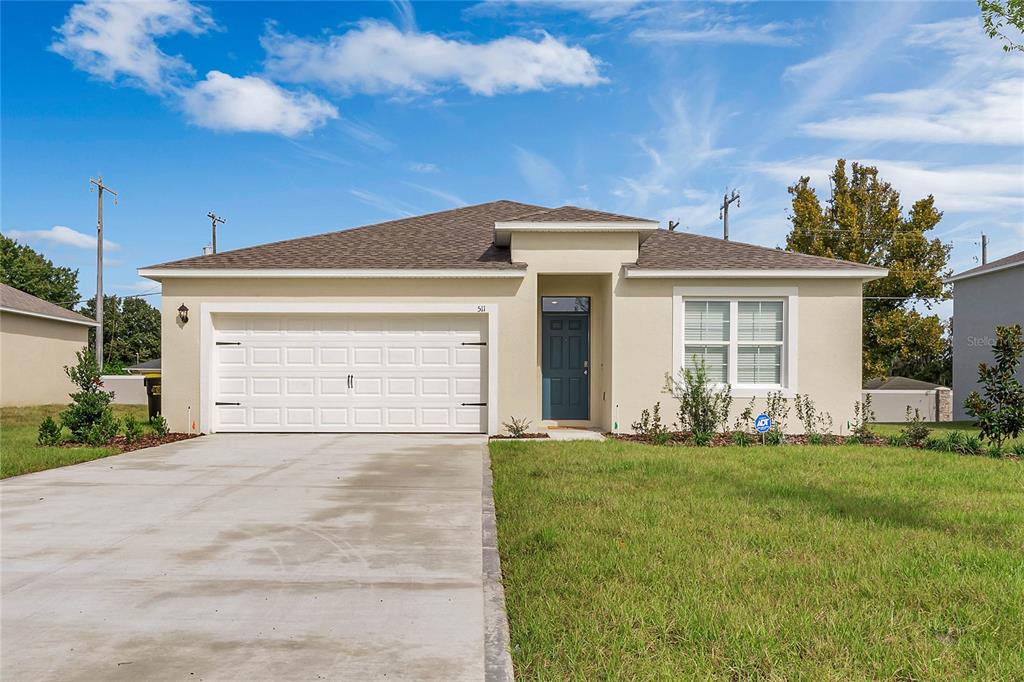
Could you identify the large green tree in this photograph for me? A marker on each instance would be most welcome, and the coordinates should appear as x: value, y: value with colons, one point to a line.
x: 864, y: 221
x: 131, y: 331
x: 24, y: 268
x: 1004, y: 19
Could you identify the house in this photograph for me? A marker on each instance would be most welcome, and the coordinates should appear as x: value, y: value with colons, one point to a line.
x: 37, y: 340
x: 983, y: 298
x: 147, y: 367
x: 458, y: 320
x: 891, y: 396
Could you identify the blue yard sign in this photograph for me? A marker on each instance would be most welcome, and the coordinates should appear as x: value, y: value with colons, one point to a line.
x: 763, y: 423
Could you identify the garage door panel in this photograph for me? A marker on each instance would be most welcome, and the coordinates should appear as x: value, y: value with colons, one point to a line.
x: 349, y: 373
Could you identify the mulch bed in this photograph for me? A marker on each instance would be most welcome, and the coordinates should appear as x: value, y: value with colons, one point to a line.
x: 148, y: 441
x: 725, y: 439
x: 525, y: 435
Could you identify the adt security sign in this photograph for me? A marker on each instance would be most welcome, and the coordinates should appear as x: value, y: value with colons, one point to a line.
x: 763, y: 423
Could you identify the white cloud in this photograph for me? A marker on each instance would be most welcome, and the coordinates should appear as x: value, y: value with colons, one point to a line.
x: 253, y: 104
x: 965, y: 188
x: 541, y: 175
x: 448, y: 197
x: 420, y: 167
x: 143, y: 286
x: 395, y: 208
x: 376, y: 57
x: 596, y: 10
x: 770, y: 34
x: 114, y: 40
x: 60, y: 235
x: 993, y: 114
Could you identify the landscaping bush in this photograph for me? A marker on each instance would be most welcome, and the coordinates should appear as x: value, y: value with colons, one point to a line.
x: 90, y: 404
x: 649, y: 425
x: 160, y: 425
x: 774, y: 437
x: 49, y: 433
x: 102, y: 431
x: 741, y: 438
x: 702, y: 407
x: 816, y: 424
x: 703, y: 438
x: 957, y: 442
x: 915, y: 432
x: 862, y: 416
x: 777, y: 409
x: 1016, y: 449
x: 898, y: 440
x: 132, y: 429
x: 516, y: 426
x: 1000, y: 413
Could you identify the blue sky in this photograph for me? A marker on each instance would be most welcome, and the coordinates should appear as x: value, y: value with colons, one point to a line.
x: 298, y: 118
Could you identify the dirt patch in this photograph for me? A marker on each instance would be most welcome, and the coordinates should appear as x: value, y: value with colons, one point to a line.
x: 525, y: 435
x: 148, y: 441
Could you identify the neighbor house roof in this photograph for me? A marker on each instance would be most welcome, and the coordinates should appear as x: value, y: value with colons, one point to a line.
x: 464, y: 239
x: 143, y: 367
x: 17, y: 301
x: 1010, y: 261
x: 899, y: 384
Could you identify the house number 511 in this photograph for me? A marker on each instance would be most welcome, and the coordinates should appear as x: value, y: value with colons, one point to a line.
x: 481, y: 309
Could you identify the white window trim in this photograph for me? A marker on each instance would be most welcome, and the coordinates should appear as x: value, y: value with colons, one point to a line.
x: 790, y: 315
x: 208, y: 310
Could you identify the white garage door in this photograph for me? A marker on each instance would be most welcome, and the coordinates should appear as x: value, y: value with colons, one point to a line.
x: 349, y: 373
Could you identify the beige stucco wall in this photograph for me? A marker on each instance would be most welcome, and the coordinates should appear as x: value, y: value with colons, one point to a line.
x: 33, y: 353
x: 631, y: 326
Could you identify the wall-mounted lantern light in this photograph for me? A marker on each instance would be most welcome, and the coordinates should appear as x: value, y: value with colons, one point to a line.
x: 183, y: 313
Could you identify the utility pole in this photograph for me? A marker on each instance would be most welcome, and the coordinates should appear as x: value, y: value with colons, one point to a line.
x: 214, y: 219
x: 100, y: 189
x: 723, y: 212
x: 984, y: 248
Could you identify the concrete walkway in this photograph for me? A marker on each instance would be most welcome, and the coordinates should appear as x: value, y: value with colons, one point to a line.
x: 250, y: 557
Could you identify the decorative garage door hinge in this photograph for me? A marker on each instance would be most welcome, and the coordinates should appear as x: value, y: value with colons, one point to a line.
x: 474, y: 404
x: 474, y: 343
x: 229, y: 343
x: 220, y: 403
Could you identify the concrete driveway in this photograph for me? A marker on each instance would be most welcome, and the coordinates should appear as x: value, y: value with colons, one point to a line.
x: 249, y: 557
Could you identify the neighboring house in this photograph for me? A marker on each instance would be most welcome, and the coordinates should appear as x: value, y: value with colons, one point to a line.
x: 891, y: 396
x: 37, y: 340
x: 983, y: 298
x: 459, y: 320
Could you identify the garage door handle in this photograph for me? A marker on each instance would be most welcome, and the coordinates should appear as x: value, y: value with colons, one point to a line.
x: 229, y: 343
x: 220, y: 403
x: 474, y: 404
x: 350, y: 381
x: 474, y: 343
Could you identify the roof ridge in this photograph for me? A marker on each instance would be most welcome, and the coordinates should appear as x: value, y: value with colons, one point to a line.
x: 769, y: 248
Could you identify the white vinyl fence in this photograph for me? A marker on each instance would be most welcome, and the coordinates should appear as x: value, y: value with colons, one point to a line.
x: 128, y: 389
x: 935, y: 405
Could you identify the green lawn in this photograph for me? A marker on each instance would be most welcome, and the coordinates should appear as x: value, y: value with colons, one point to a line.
x: 938, y: 429
x: 19, y: 453
x: 627, y: 561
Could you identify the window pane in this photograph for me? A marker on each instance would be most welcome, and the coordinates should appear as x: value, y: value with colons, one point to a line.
x: 714, y: 357
x: 759, y: 321
x: 759, y: 364
x: 707, y: 320
x: 565, y: 304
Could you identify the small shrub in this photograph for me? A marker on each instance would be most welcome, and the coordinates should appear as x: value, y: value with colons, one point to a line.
x: 90, y: 404
x: 994, y: 451
x: 955, y: 442
x: 774, y: 437
x: 515, y: 426
x: 102, y: 431
x: 741, y: 438
x: 702, y: 406
x: 661, y: 438
x: 915, y: 432
x: 132, y: 429
x: 862, y: 416
x: 816, y: 438
x: 971, y: 445
x: 1016, y: 449
x: 898, y: 440
x: 745, y: 421
x: 1000, y: 413
x: 934, y: 443
x: 853, y: 440
x: 703, y: 438
x: 777, y: 409
x: 49, y: 432
x: 815, y: 423
x: 160, y: 425
x: 649, y: 425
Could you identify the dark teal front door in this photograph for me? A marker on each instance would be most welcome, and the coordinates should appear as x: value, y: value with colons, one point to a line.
x: 565, y: 365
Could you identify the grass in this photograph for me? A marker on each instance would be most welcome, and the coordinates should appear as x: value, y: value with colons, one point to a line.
x: 19, y: 427
x: 938, y: 429
x: 628, y: 561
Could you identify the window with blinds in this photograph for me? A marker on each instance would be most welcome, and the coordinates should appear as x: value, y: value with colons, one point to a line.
x: 739, y: 342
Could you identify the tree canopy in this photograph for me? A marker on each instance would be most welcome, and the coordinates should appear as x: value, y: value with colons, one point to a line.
x: 131, y: 331
x: 22, y: 267
x: 863, y: 221
x: 1004, y: 19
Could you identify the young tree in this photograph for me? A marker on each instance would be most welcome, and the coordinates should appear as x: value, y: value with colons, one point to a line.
x: 1004, y: 19
x: 24, y: 268
x: 131, y: 330
x: 1000, y: 413
x: 863, y: 221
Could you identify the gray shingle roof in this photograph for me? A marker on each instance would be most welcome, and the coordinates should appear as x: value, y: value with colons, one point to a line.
x: 459, y: 238
x: 17, y: 301
x: 1000, y: 264
x: 464, y: 238
x: 664, y: 250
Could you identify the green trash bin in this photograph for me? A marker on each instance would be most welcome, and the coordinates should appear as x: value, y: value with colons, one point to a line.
x: 152, y: 382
